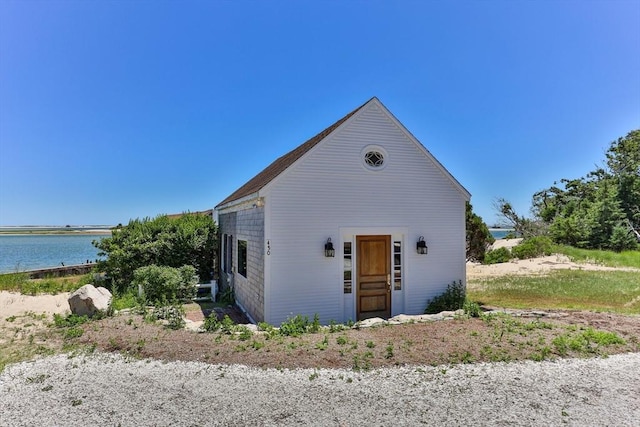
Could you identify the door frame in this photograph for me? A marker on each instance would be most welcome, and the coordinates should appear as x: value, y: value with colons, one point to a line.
x: 349, y: 234
x: 388, y: 238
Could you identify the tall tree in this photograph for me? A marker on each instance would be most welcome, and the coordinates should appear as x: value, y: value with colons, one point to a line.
x: 478, y: 235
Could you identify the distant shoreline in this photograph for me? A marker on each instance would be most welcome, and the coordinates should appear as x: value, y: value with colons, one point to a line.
x: 35, y: 230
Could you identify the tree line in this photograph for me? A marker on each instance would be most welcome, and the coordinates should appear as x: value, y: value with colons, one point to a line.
x: 598, y: 211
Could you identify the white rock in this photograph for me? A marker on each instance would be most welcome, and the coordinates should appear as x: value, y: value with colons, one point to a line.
x: 374, y: 321
x: 88, y: 300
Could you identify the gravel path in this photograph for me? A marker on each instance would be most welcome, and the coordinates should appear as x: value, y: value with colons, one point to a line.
x: 107, y: 389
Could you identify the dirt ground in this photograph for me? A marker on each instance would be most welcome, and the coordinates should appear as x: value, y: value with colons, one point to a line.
x: 538, y: 335
x: 498, y: 338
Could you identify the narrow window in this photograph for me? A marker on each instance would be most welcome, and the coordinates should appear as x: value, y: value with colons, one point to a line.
x: 242, y: 257
x: 397, y: 266
x: 227, y: 249
x: 347, y: 268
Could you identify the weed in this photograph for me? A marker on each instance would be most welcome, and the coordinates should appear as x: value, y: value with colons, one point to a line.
x: 227, y: 326
x: 336, y: 327
x: 370, y: 344
x: 341, y: 340
x: 173, y: 314
x: 313, y: 376
x: 389, y: 351
x: 244, y: 333
x: 362, y: 362
x: 540, y: 355
x: 257, y: 345
x: 471, y: 308
x: 69, y: 320
x: 11, y: 318
x: 323, y: 344
x: 37, y: 379
x: 74, y: 332
x: 211, y: 323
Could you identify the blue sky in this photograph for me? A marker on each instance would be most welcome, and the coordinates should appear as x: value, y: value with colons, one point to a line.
x: 111, y: 110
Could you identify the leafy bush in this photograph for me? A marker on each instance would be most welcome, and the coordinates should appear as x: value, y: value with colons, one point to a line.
x: 298, y: 325
x: 211, y: 323
x: 497, y: 256
x: 452, y: 299
x: 533, y: 247
x: 161, y: 285
x: 173, y: 314
x: 173, y: 242
x: 471, y: 308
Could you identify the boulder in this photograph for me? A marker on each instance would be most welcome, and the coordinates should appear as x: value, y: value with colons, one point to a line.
x: 88, y: 300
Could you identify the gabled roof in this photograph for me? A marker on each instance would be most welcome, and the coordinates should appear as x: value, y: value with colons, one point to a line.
x: 282, y: 163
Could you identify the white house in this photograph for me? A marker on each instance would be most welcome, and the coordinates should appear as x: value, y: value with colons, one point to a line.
x: 368, y: 189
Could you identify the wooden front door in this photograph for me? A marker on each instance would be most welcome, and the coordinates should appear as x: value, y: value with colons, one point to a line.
x: 373, y: 292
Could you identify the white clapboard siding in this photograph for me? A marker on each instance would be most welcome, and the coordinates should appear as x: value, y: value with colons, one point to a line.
x: 329, y: 188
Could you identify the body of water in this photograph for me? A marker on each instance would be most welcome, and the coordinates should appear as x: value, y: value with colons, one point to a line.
x: 34, y: 251
x: 500, y: 233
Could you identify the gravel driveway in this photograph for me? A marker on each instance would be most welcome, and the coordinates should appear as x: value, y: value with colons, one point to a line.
x: 108, y: 389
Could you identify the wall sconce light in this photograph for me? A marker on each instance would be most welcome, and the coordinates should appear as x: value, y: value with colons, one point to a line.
x: 421, y: 246
x: 329, y: 252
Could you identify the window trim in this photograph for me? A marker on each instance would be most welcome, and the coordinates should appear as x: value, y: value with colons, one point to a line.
x: 374, y: 148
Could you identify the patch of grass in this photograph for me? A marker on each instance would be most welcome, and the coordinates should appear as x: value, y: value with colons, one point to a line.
x: 607, y: 258
x: 70, y: 320
x: 126, y: 300
x: 614, y: 291
x: 20, y: 282
x: 13, y: 281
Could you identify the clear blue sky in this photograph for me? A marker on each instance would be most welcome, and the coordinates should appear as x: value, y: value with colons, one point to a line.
x: 111, y: 110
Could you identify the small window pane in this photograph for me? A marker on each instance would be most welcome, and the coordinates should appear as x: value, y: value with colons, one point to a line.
x: 347, y: 267
x: 242, y: 257
x: 397, y: 266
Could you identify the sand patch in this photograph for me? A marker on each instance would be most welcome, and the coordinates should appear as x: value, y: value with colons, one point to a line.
x: 15, y: 304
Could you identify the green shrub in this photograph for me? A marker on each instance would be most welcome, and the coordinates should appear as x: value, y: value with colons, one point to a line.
x: 173, y: 314
x: 69, y: 320
x: 452, y: 299
x: 471, y: 308
x: 298, y: 325
x: 161, y: 285
x: 211, y: 323
x: 533, y: 247
x: 189, y: 239
x: 497, y: 256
